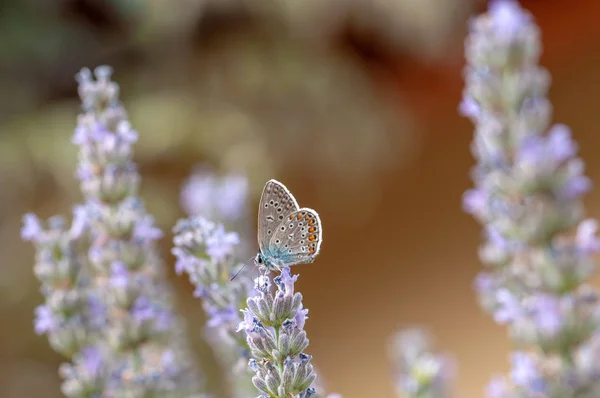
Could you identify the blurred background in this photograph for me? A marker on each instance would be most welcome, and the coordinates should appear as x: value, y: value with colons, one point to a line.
x: 351, y: 103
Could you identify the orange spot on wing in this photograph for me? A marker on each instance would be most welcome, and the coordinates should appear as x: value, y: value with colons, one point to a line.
x: 312, y: 238
x: 311, y: 230
x: 299, y: 217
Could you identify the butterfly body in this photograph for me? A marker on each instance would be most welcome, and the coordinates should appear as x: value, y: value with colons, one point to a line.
x: 287, y: 234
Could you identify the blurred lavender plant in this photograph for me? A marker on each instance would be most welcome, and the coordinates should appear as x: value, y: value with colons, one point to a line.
x: 529, y: 184
x: 215, y: 198
x: 140, y: 350
x: 206, y: 252
x: 220, y: 198
x: 419, y: 372
x: 274, y: 327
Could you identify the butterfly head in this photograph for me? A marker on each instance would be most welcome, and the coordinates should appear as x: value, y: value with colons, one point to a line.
x: 262, y: 261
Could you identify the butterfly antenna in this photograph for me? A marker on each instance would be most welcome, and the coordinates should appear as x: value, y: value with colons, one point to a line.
x: 240, y: 270
x: 237, y: 273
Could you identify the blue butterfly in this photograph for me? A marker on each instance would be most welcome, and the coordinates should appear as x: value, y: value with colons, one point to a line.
x: 287, y: 234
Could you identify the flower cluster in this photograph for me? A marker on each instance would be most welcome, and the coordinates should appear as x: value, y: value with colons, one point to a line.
x: 419, y: 371
x: 114, y: 270
x: 528, y: 188
x: 205, y: 251
x: 274, y: 327
x: 68, y: 316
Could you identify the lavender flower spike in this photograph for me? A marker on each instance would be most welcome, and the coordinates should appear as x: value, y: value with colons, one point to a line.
x: 528, y: 188
x: 67, y: 317
x: 419, y: 371
x: 206, y: 252
x: 71, y: 316
x: 274, y: 327
x: 148, y: 355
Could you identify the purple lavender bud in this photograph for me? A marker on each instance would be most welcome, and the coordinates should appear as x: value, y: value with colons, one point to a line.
x: 525, y: 373
x: 32, y: 229
x: 547, y: 314
x: 587, y: 241
x: 44, y: 320
x: 509, y: 308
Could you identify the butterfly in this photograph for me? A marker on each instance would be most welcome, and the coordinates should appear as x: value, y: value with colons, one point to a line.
x: 287, y: 234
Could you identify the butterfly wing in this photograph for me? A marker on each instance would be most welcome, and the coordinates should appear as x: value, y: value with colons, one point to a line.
x: 298, y: 239
x: 276, y: 205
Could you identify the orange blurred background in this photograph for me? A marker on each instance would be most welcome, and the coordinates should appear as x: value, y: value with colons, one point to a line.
x: 351, y: 103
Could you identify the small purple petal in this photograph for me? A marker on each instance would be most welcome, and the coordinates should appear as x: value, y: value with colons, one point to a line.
x: 586, y: 238
x: 32, y: 228
x: 301, y: 317
x: 119, y: 277
x: 248, y: 323
x: 509, y: 307
x: 525, y: 373
x: 288, y: 281
x: 44, y: 320
x: 576, y: 186
x: 474, y: 202
x: 126, y: 133
x: 508, y: 18
x: 220, y: 244
x: 145, y: 230
x: 92, y: 361
x: 143, y: 309
x: 484, y: 283
x: 546, y: 314
x: 80, y: 221
x: 80, y: 136
x: 469, y: 108
x: 560, y: 144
